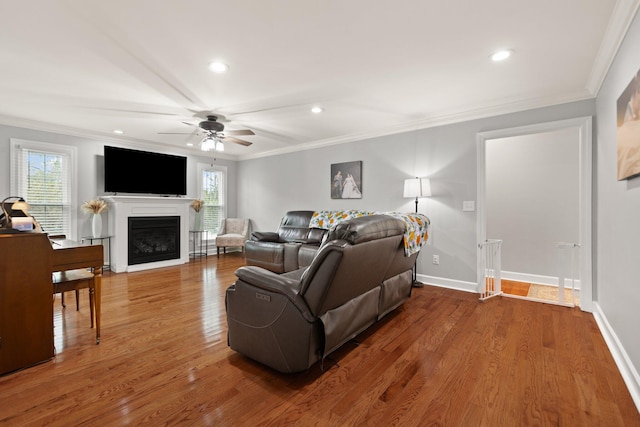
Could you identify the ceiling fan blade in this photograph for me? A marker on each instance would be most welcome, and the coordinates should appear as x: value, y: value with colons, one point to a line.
x: 238, y: 132
x: 237, y: 141
x: 175, y: 133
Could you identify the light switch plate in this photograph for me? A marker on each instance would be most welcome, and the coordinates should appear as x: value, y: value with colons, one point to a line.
x: 468, y: 206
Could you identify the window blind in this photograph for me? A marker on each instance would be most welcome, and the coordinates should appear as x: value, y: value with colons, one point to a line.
x: 213, y: 194
x: 43, y: 178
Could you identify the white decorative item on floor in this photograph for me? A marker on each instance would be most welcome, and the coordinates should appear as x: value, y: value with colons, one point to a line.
x: 96, y: 225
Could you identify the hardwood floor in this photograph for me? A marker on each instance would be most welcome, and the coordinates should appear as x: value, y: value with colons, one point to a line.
x: 443, y: 358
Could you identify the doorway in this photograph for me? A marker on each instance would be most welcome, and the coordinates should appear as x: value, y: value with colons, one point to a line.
x: 534, y: 189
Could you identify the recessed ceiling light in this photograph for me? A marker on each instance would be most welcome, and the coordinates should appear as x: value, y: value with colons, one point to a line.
x: 218, y: 67
x: 501, y: 55
x: 118, y: 131
x: 316, y: 110
x: 189, y: 144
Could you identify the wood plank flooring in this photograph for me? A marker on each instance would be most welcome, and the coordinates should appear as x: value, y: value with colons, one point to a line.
x: 443, y: 358
x: 515, y: 288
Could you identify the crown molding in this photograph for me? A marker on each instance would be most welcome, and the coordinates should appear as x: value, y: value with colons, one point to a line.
x: 447, y: 118
x: 621, y: 18
x: 441, y: 120
x: 103, y: 136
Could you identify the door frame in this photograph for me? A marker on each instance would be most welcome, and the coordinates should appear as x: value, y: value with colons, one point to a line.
x: 584, y: 125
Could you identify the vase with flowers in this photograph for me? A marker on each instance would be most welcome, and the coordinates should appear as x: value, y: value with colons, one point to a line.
x: 95, y: 207
x: 197, y: 205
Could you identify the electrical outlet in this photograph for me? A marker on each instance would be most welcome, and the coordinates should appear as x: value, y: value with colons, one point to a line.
x: 436, y: 259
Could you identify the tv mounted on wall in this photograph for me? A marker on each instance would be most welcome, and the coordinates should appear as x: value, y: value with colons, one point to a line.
x: 143, y: 172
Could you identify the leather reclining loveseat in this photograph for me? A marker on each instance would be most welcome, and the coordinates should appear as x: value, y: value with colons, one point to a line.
x: 293, y: 246
x: 290, y: 321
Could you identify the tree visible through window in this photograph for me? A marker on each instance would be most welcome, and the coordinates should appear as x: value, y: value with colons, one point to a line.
x: 42, y: 175
x: 213, y: 191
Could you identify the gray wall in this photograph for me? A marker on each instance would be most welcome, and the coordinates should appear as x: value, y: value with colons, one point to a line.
x: 90, y: 167
x: 532, y: 196
x: 618, y: 209
x: 268, y: 187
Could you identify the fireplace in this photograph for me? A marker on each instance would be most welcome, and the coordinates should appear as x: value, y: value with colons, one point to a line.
x: 152, y: 239
x: 122, y: 208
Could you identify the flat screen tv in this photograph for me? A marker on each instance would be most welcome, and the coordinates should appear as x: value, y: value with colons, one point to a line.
x: 143, y: 172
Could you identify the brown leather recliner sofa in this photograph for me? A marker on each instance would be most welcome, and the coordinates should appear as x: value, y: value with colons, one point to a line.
x: 293, y: 246
x: 290, y: 321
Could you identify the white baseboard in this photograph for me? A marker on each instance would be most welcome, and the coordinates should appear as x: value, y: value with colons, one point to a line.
x: 458, y: 285
x: 620, y: 356
x: 462, y: 285
x: 538, y: 279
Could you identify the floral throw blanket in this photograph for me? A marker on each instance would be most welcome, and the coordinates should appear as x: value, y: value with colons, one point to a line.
x: 415, y: 235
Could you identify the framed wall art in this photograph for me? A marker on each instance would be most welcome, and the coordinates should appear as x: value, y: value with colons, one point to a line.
x: 346, y: 180
x: 628, y: 109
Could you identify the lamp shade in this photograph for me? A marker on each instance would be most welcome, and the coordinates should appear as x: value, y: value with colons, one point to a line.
x: 21, y: 205
x: 18, y: 205
x: 417, y: 187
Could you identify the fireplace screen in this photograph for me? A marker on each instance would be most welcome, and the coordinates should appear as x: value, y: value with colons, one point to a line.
x: 153, y: 239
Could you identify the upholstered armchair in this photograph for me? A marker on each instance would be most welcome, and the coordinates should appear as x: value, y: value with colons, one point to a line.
x: 234, y: 232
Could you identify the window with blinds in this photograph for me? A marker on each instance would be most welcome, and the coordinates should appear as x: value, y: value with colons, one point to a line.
x: 213, y: 190
x: 42, y: 174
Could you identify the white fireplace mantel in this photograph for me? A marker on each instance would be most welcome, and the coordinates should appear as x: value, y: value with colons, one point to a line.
x: 123, y: 207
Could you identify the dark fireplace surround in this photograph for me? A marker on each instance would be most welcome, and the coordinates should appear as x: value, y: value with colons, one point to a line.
x: 153, y: 239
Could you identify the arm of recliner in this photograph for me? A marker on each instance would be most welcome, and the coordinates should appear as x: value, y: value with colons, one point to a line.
x: 265, y: 236
x: 269, y: 255
x: 268, y: 280
x: 291, y: 256
x: 277, y: 283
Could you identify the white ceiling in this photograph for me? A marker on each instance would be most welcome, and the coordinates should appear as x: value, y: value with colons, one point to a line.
x: 87, y: 67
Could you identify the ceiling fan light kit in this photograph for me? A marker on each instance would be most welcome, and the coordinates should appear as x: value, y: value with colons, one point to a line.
x: 208, y: 144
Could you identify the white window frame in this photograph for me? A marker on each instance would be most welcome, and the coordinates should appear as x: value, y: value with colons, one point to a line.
x: 17, y: 169
x: 214, y: 168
